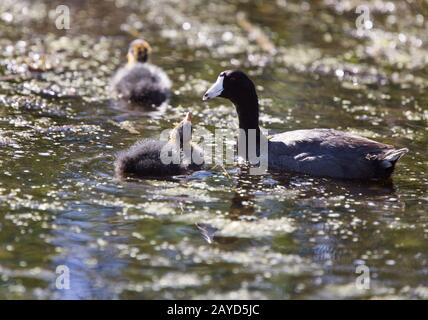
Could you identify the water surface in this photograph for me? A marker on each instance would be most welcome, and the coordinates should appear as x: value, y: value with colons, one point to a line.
x: 220, y: 233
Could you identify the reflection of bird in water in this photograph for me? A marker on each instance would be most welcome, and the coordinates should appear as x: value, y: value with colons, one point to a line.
x: 315, y: 198
x: 311, y: 188
x: 207, y: 231
x: 243, y: 197
x: 241, y: 205
x: 140, y: 81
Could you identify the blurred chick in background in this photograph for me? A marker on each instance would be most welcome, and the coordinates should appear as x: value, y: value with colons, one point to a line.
x: 139, y: 81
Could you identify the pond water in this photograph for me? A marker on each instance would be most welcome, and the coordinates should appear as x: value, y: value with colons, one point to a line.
x: 221, y: 233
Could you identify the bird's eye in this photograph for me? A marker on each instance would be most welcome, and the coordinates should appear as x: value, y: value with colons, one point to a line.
x: 222, y: 74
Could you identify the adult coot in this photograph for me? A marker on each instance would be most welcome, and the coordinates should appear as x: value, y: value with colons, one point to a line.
x: 318, y: 152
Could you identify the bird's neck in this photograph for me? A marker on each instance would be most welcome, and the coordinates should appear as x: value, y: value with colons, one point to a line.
x: 247, y: 108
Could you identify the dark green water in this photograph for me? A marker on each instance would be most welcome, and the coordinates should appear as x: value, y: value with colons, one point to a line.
x: 276, y: 236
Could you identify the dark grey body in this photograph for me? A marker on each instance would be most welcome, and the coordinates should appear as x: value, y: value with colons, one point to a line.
x: 332, y: 153
x: 143, y: 160
x: 143, y: 83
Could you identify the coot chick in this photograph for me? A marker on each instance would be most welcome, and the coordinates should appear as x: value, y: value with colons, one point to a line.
x: 140, y: 81
x: 150, y: 158
x: 318, y: 152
